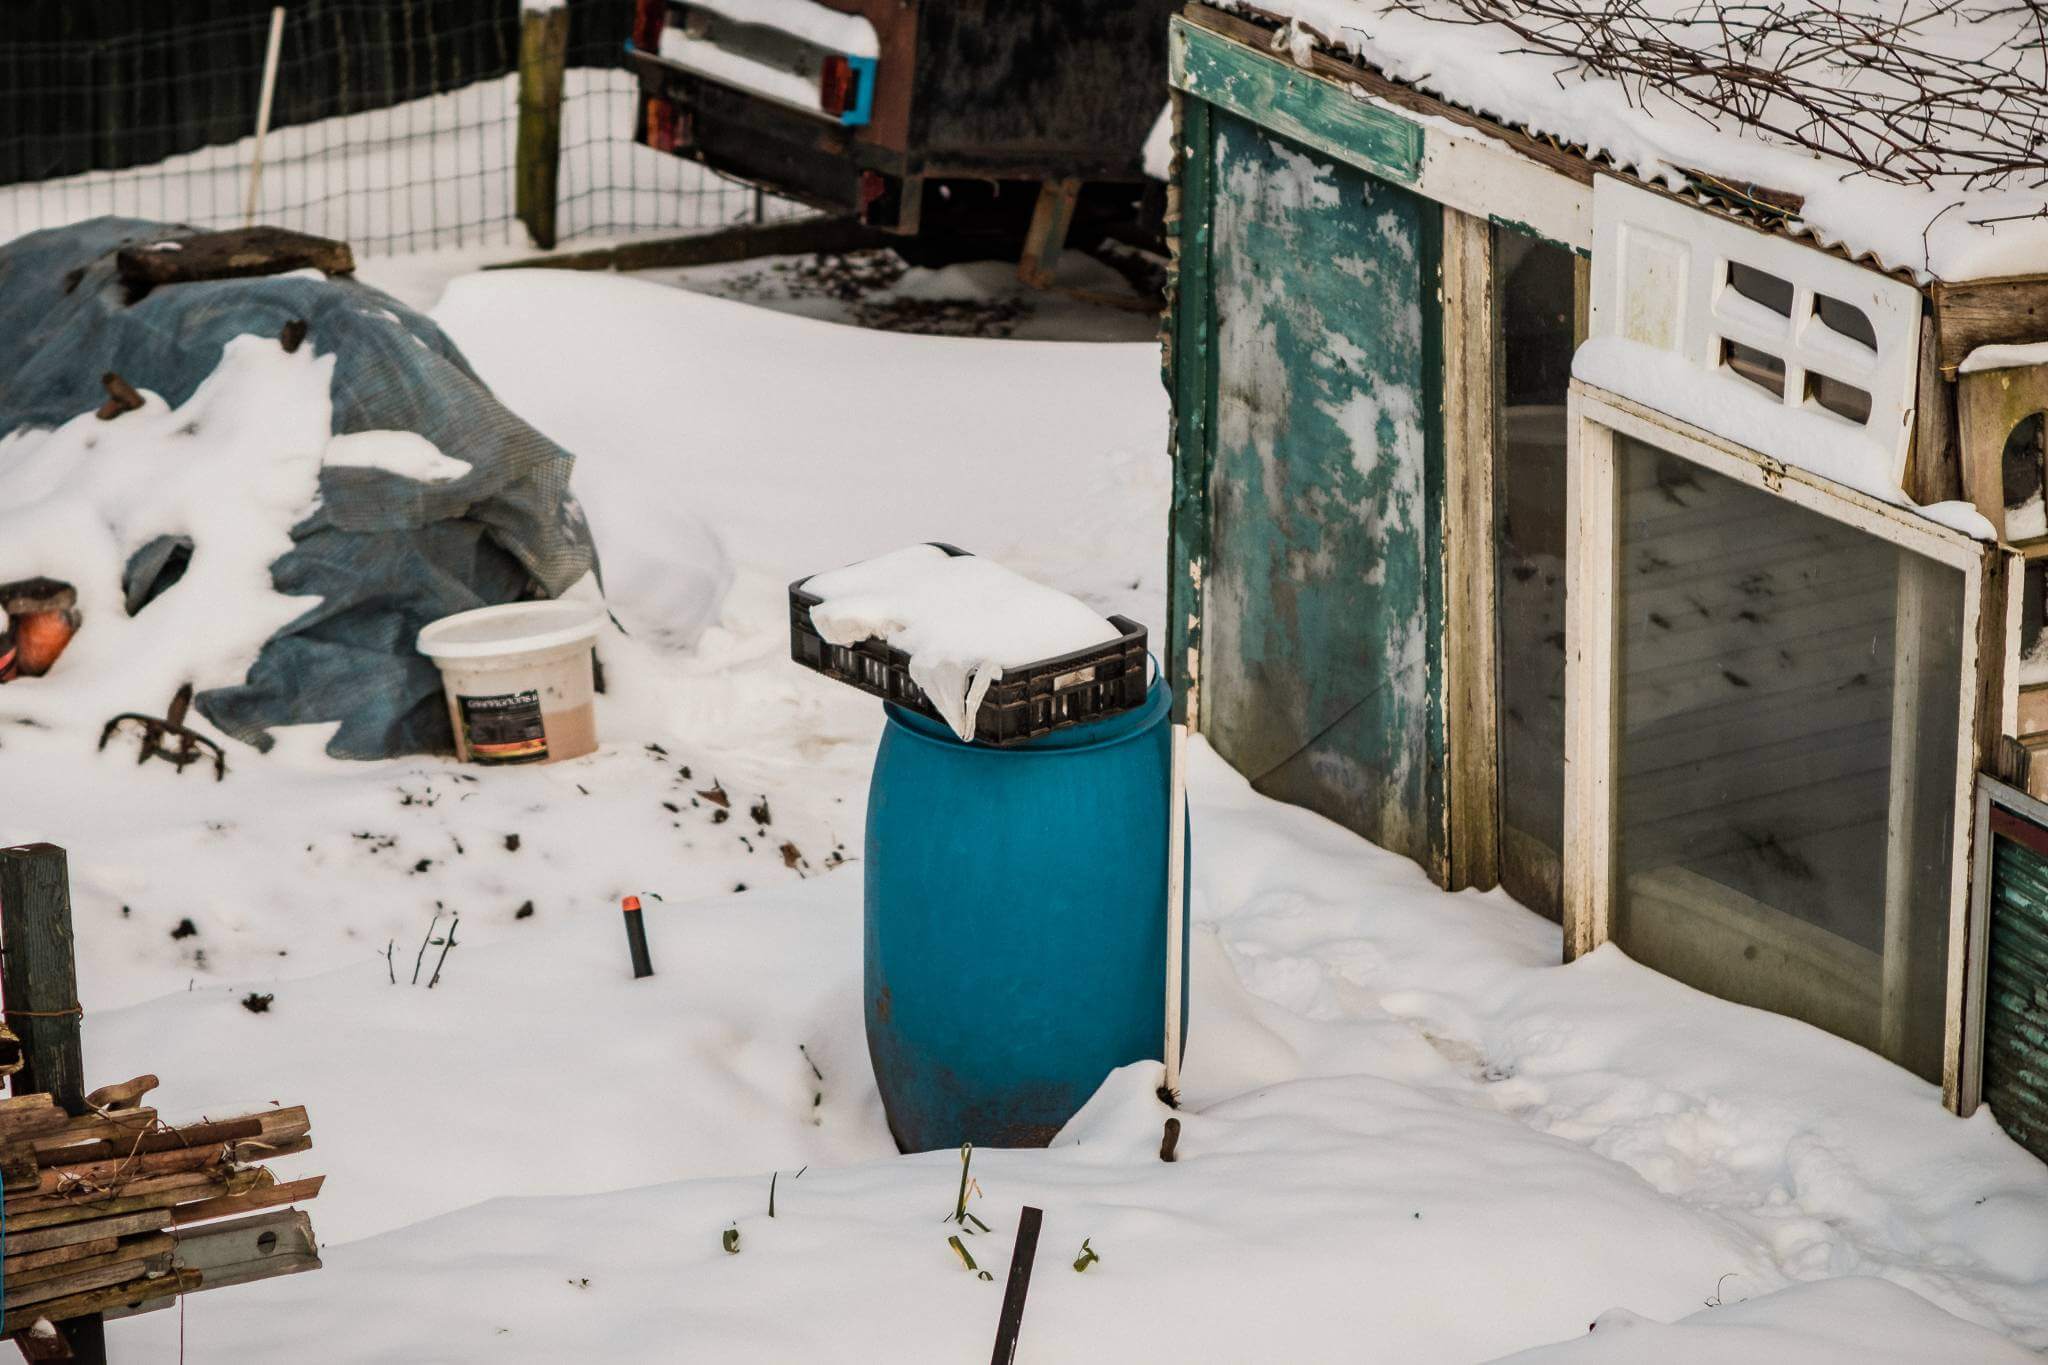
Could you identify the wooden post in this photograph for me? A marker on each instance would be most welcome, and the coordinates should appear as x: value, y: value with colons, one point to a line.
x: 543, y: 48
x: 263, y: 103
x: 1471, y: 371
x: 1047, y: 237
x: 1176, y: 893
x: 39, y: 987
x: 1011, y: 1320
x: 37, y: 974
x: 1592, y: 633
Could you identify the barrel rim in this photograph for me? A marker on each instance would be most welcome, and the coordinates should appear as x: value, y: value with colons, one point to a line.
x: 1103, y: 733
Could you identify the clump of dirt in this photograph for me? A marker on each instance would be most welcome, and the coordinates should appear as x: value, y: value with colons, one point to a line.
x: 944, y: 317
x: 849, y: 277
x: 863, y: 280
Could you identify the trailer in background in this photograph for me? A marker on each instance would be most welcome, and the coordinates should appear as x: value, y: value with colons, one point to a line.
x: 962, y: 127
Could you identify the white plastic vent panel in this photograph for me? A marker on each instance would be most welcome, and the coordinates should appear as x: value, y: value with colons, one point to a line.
x: 1674, y: 277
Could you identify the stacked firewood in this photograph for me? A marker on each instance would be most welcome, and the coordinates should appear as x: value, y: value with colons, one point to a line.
x: 115, y: 1211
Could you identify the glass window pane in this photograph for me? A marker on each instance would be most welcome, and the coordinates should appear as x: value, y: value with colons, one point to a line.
x: 1790, y: 690
x: 1533, y: 281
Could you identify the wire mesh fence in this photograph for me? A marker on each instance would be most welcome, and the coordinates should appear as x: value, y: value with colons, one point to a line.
x: 394, y: 128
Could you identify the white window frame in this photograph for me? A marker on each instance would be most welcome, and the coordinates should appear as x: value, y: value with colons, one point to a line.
x: 1592, y: 598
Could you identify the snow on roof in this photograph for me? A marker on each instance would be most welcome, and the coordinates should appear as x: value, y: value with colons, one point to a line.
x: 1916, y: 131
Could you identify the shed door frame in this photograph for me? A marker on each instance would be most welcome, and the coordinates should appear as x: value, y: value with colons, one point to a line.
x: 1592, y: 597
x: 1218, y: 61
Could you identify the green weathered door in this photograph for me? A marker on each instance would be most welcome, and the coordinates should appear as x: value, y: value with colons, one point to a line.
x: 1321, y: 601
x: 2016, y: 984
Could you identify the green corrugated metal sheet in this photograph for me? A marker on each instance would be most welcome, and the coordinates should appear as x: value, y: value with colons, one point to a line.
x: 2016, y: 996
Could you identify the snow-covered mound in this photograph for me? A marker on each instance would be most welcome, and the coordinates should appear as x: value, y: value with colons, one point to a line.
x: 1850, y: 1321
x: 315, y: 474
x: 231, y: 469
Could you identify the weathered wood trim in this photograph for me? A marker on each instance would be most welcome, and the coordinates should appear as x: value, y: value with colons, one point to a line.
x: 1901, y: 525
x: 1970, y: 1073
x: 1046, y: 238
x: 1991, y: 710
x: 1429, y: 250
x: 1933, y: 471
x: 1554, y: 158
x: 1591, y: 603
x: 1582, y: 298
x: 1278, y: 95
x: 1466, y: 162
x: 1989, y: 404
x: 1471, y: 720
x: 2011, y: 309
x: 1189, y: 334
x: 739, y: 242
x: 2033, y: 711
x: 1917, y: 598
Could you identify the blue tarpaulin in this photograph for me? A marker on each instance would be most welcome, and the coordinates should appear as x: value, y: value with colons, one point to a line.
x: 385, y: 554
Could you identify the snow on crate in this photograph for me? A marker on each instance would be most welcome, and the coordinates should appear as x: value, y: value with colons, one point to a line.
x: 962, y: 620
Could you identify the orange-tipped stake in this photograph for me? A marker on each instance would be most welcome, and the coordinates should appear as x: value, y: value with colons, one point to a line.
x: 636, y: 938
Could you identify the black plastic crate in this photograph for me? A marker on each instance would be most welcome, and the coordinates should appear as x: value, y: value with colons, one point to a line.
x: 1026, y: 702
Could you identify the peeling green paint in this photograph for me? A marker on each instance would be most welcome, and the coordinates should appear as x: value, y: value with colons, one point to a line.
x: 1275, y: 94
x: 1321, y: 594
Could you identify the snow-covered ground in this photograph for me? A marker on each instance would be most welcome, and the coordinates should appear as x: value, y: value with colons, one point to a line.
x: 1410, y: 1135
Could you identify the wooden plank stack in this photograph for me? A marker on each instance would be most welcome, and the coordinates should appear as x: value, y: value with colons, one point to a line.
x: 116, y: 1211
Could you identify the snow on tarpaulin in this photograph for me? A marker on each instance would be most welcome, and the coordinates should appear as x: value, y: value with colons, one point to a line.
x: 429, y: 498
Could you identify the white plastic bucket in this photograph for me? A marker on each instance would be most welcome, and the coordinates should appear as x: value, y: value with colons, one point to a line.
x: 518, y: 679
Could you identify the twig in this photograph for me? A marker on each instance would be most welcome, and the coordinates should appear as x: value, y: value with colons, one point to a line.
x: 419, y: 961
x: 1918, y: 95
x: 446, y: 944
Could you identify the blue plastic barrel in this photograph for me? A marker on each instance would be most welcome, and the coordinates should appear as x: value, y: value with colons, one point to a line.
x: 1016, y: 922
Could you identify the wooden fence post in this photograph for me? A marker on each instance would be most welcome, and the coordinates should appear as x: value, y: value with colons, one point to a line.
x: 39, y: 988
x: 543, y: 48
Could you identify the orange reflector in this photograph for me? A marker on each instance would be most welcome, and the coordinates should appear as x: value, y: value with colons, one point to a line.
x: 835, y: 85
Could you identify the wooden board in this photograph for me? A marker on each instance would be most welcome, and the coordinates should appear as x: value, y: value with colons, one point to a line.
x: 238, y: 253
x: 1470, y: 406
x: 2008, y: 311
x: 1933, y: 472
x: 1989, y: 404
x: 1464, y: 162
x: 1314, y: 112
x: 1323, y: 599
x: 63, y: 1235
